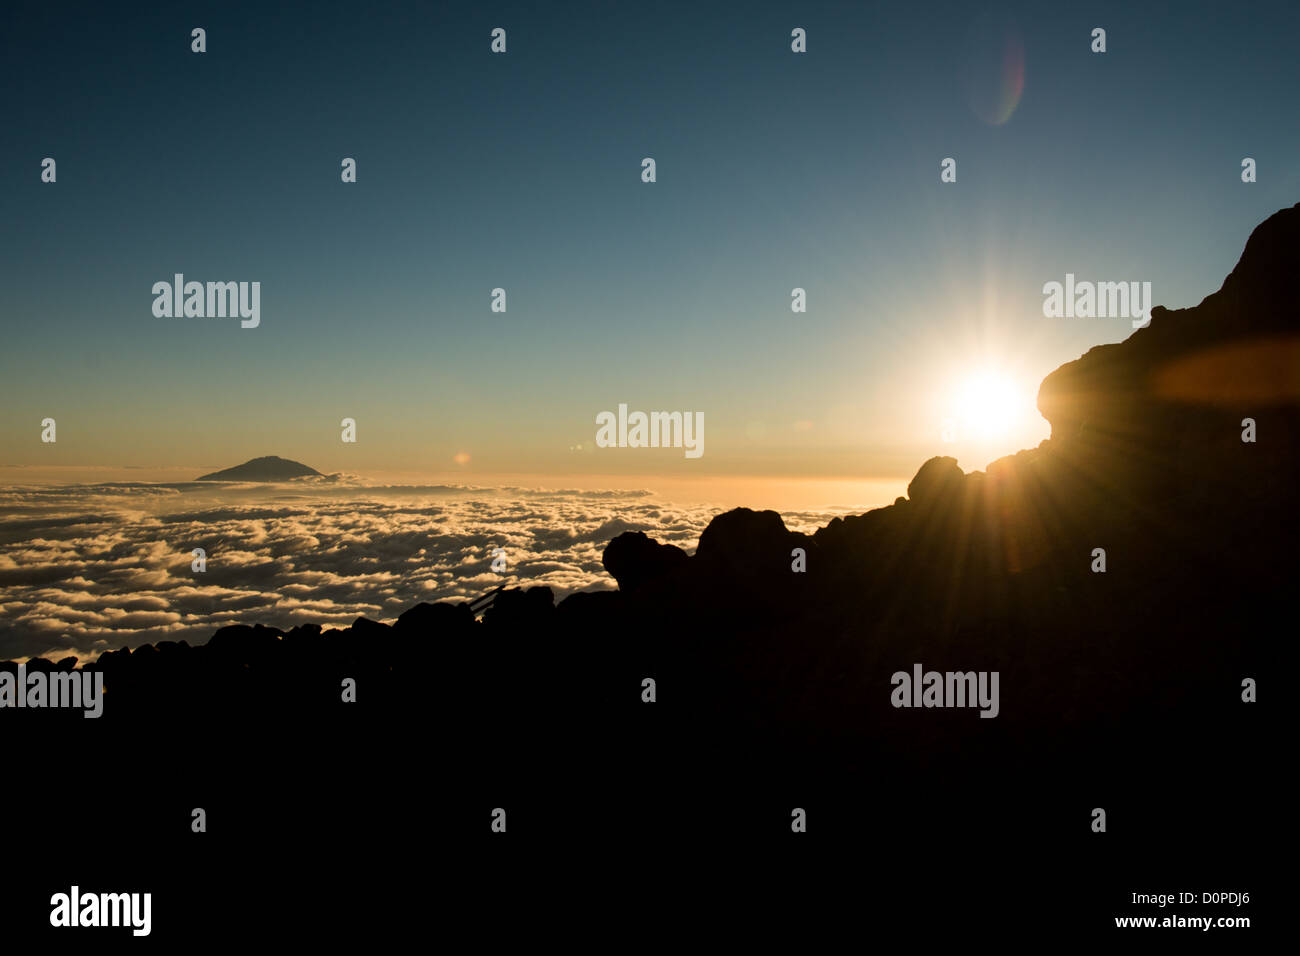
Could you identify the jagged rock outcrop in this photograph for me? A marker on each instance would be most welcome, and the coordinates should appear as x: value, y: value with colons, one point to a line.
x: 750, y: 546
x: 634, y: 559
x: 1165, y: 406
x: 937, y: 478
x: 435, y: 618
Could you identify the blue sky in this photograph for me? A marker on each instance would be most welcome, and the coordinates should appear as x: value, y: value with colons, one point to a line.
x: 775, y: 170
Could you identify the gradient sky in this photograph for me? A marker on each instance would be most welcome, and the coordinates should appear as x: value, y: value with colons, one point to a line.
x: 775, y: 170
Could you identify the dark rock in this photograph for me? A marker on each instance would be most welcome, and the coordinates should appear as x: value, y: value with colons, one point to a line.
x: 363, y: 627
x: 937, y: 479
x: 434, y: 619
x: 514, y: 608
x: 633, y: 559
x: 240, y: 640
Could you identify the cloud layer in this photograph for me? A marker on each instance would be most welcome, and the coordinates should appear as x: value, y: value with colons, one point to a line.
x: 90, y: 568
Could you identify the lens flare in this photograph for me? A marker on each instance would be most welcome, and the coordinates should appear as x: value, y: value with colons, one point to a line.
x: 995, y: 68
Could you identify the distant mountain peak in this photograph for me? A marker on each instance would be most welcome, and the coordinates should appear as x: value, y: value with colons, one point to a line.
x: 266, y: 468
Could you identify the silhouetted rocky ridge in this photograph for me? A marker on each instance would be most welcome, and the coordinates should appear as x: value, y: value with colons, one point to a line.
x: 985, y: 571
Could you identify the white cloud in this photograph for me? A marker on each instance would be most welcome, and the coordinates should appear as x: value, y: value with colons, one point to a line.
x: 85, y: 569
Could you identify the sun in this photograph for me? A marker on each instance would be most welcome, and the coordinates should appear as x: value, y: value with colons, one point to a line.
x: 988, y: 405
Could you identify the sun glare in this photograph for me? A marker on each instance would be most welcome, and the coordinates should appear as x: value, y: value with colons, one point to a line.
x: 988, y: 405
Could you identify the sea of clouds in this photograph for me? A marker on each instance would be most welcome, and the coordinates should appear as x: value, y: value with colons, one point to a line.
x: 90, y: 568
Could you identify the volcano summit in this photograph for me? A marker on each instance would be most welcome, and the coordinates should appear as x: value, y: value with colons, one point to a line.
x: 268, y: 468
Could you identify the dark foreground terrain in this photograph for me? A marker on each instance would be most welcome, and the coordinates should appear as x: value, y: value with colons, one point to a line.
x: 1119, y: 690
